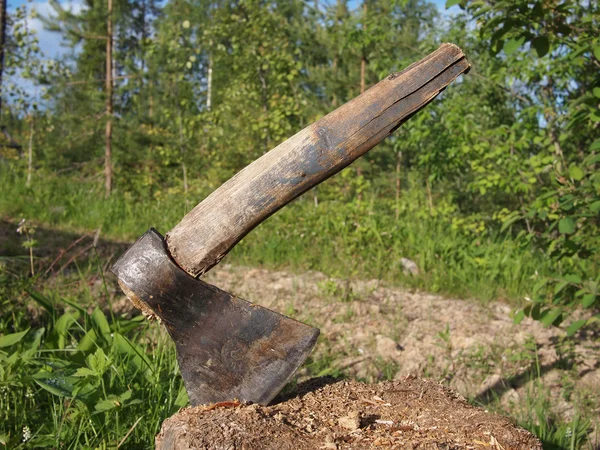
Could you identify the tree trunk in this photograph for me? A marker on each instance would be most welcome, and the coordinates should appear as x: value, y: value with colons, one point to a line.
x: 398, y: 161
x: 109, y: 104
x: 429, y: 195
x: 363, y: 70
x: 363, y: 59
x: 2, y: 44
x: 30, y: 154
x: 209, y: 83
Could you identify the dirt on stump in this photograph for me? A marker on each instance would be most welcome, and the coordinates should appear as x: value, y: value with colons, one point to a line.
x: 325, y: 413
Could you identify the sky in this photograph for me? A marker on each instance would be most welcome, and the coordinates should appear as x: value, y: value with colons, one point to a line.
x: 50, y: 43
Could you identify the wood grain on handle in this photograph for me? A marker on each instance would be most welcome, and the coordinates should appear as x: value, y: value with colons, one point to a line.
x: 312, y: 155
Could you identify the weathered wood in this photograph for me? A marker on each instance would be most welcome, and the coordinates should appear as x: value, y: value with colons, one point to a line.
x: 212, y: 228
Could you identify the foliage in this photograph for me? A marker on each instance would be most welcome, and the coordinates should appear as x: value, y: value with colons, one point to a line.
x: 550, y: 53
x: 73, y: 379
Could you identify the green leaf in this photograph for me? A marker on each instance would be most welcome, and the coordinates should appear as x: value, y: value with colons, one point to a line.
x: 42, y: 441
x: 595, y: 145
x: 541, y: 45
x: 572, y: 329
x: 182, y: 397
x: 41, y: 300
x: 566, y: 225
x: 596, y: 92
x: 539, y: 285
x: 98, y: 362
x: 62, y: 326
x: 84, y: 372
x: 594, y: 319
x: 125, y: 347
x: 512, y: 218
x: 595, y: 207
x: 519, y: 316
x: 588, y: 300
x: 55, y: 383
x: 560, y: 286
x: 573, y: 278
x: 99, y: 319
x: 513, y: 44
x: 108, y: 404
x: 576, y: 173
x: 11, y: 339
x: 535, y: 312
x: 88, y: 341
x: 550, y: 316
x: 450, y: 3
x: 114, y: 401
x: 597, y: 52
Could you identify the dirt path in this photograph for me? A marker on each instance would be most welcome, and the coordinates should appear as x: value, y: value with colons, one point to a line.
x: 372, y: 332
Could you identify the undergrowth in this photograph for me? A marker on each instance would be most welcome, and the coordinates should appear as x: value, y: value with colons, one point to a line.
x: 360, y: 238
x: 76, y: 374
x: 74, y: 377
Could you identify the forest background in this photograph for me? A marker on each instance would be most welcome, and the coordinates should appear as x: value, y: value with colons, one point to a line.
x: 493, y: 190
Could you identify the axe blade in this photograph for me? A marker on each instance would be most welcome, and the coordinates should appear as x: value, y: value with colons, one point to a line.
x: 227, y: 348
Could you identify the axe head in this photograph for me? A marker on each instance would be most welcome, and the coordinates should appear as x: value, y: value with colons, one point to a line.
x: 227, y: 348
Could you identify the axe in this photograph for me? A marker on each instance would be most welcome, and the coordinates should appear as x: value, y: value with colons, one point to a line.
x: 228, y: 348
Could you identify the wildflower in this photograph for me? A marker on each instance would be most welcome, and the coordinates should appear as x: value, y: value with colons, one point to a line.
x: 22, y: 226
x: 29, y: 392
x: 26, y: 433
x: 568, y: 432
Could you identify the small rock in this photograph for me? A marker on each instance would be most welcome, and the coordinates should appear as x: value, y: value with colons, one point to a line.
x: 331, y: 445
x: 386, y: 347
x: 491, y: 384
x: 329, y: 442
x: 351, y: 421
x: 409, y: 267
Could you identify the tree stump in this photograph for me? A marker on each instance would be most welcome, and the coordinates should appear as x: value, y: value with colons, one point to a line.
x: 325, y: 413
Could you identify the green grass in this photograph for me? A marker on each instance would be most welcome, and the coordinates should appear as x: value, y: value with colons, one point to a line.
x: 346, y: 239
x: 535, y: 413
x: 74, y: 379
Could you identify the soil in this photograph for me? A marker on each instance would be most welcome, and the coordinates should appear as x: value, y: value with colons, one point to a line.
x: 322, y: 414
x: 372, y: 332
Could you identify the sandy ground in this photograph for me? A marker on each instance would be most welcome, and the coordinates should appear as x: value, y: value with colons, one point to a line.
x: 371, y: 332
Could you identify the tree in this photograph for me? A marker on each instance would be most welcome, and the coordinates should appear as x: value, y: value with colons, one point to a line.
x: 546, y: 154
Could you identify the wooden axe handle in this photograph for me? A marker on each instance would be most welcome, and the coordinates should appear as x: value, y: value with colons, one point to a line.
x: 212, y: 228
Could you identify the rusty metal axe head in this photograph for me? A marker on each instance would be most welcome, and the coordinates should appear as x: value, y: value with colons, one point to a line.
x: 228, y: 348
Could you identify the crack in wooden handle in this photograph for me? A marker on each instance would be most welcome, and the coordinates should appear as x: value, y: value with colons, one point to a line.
x: 208, y: 232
